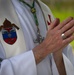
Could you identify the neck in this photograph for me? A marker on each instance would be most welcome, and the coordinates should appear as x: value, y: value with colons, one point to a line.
x: 29, y: 1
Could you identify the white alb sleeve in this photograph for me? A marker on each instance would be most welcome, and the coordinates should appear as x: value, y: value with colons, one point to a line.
x: 68, y: 58
x: 23, y: 64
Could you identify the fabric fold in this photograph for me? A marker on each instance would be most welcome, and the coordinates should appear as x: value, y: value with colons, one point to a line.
x: 19, y: 65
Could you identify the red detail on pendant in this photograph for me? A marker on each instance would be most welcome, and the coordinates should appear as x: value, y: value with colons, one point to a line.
x: 10, y: 40
x: 49, y: 22
x: 8, y: 29
x: 9, y: 35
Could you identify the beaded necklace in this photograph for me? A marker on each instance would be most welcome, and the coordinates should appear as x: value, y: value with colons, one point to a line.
x: 33, y: 11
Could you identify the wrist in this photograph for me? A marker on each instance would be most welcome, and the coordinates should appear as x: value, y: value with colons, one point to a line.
x: 39, y: 53
x: 58, y: 57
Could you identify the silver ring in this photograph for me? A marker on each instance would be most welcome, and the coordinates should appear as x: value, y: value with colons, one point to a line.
x: 63, y: 36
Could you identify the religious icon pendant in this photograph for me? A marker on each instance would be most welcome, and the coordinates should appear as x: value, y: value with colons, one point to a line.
x: 9, y: 33
x: 39, y: 38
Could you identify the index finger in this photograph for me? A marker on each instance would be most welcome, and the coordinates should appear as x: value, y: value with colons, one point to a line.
x: 64, y: 23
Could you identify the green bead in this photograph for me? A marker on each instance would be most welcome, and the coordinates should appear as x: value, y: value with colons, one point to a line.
x: 33, y: 10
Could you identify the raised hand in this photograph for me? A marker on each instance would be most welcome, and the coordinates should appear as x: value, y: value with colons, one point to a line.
x: 54, y: 40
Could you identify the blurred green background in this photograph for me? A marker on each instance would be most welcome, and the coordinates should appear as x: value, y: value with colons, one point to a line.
x: 61, y: 9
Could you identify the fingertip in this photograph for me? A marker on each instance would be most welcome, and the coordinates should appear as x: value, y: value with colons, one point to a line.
x: 71, y: 18
x: 57, y: 21
x: 57, y: 18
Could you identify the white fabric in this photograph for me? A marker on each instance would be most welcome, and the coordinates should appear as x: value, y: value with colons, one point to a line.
x: 19, y: 65
x: 28, y: 23
x: 29, y: 28
x: 68, y: 66
x: 24, y: 64
x: 68, y: 58
x: 8, y: 12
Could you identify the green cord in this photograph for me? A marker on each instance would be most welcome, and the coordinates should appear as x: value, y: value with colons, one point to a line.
x: 33, y: 10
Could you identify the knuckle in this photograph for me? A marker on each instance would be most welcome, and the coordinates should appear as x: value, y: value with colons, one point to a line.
x: 72, y: 22
x: 70, y: 17
x: 67, y: 41
x: 72, y: 29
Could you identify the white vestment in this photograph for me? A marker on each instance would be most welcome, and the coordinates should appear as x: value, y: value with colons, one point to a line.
x: 18, y: 59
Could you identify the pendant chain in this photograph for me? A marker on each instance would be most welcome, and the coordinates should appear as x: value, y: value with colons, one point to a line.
x: 33, y: 11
